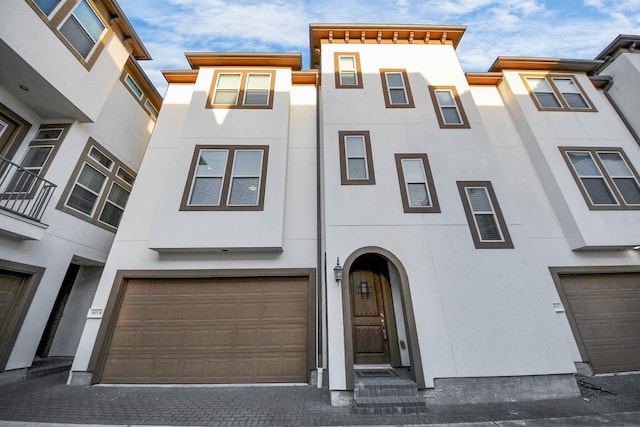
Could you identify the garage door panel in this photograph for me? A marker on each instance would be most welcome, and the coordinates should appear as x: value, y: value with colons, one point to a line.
x: 606, y: 313
x: 211, y: 331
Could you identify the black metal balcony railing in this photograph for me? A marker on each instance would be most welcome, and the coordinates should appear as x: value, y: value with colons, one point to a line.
x: 23, y: 192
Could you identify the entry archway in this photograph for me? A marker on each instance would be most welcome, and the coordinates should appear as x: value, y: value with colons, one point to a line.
x: 357, y: 262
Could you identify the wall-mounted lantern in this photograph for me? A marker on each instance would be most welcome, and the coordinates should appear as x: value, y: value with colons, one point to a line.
x: 337, y: 271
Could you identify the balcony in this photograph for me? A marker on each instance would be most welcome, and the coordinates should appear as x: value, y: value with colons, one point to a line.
x: 24, y: 197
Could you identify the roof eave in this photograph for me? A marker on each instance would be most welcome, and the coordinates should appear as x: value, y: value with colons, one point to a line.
x: 544, y: 64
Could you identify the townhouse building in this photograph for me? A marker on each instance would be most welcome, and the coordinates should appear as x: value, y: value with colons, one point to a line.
x: 76, y: 113
x: 383, y: 211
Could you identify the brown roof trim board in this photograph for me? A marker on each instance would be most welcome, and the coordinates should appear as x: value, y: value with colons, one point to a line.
x: 484, y: 79
x: 305, y: 77
x: 129, y: 35
x: 544, y: 64
x: 381, y: 33
x: 235, y: 59
x: 180, y: 76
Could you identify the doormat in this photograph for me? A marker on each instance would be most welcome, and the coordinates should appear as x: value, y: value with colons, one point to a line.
x: 375, y: 373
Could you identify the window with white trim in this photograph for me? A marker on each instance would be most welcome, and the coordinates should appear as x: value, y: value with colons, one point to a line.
x: 99, y: 189
x: 242, y: 89
x: 347, y: 70
x: 397, y: 92
x: 605, y: 177
x: 416, y: 183
x: 83, y: 28
x: 356, y: 163
x: 486, y: 223
x: 448, y: 107
x: 226, y: 178
x: 557, y: 92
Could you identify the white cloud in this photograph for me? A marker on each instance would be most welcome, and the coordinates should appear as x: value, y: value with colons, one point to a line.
x: 494, y: 27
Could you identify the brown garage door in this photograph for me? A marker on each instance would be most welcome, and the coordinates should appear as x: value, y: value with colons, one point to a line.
x: 240, y: 330
x: 606, y: 314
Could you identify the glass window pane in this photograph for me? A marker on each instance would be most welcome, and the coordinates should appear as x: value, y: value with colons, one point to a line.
x: 583, y: 163
x: 259, y: 81
x: 212, y: 163
x: 614, y: 165
x: 539, y: 84
x: 598, y: 191
x: 89, y: 20
x: 445, y: 98
x: 347, y: 63
x: 111, y: 214
x: 244, y: 191
x: 575, y: 100
x: 398, y: 96
x: 256, y: 98
x: 78, y: 38
x: 228, y: 81
x: 418, y: 195
x: 150, y: 108
x: 100, y: 158
x: 356, y: 169
x: 36, y: 157
x: 118, y: 195
x: 125, y: 176
x: 247, y: 163
x: 547, y: 100
x: 348, y: 78
x: 82, y: 200
x: 46, y: 5
x: 479, y: 200
x: 566, y: 86
x: 226, y: 97
x: 355, y: 146
x: 206, y: 191
x: 413, y: 170
x: 450, y: 116
x: 488, y: 227
x: 47, y: 134
x: 394, y: 80
x: 91, y: 178
x: 133, y: 86
x: 629, y: 190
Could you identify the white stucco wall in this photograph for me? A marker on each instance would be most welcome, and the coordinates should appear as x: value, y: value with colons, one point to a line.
x: 545, y: 131
x: 290, y: 199
x: 478, y: 312
x: 625, y: 70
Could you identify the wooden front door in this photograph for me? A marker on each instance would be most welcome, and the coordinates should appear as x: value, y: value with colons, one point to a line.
x: 372, y: 317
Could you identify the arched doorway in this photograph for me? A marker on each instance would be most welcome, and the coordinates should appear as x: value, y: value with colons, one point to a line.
x: 372, y: 270
x: 373, y: 324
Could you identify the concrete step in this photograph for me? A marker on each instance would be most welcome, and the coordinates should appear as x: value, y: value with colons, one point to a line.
x: 385, y: 387
x: 390, y: 405
x: 48, y: 366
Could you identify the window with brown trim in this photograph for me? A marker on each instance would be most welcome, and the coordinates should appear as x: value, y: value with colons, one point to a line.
x: 13, y: 130
x: 448, y: 107
x: 99, y: 188
x: 557, y: 92
x: 416, y: 183
x: 487, y: 225
x: 242, y: 89
x: 229, y: 177
x: 396, y: 89
x: 356, y: 163
x: 131, y: 78
x: 347, y: 70
x: 79, y: 24
x: 36, y: 161
x: 605, y: 177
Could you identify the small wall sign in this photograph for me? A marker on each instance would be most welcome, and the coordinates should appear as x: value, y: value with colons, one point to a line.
x: 95, y: 313
x: 558, y: 307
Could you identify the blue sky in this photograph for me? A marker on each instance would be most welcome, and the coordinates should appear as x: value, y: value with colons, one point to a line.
x: 578, y: 29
